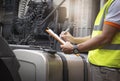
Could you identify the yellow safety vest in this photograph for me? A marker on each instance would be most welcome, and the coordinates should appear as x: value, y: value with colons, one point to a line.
x: 108, y: 55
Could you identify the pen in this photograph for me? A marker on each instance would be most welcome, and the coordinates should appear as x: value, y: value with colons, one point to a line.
x: 66, y: 30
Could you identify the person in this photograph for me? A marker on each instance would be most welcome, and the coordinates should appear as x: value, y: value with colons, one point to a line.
x: 103, y: 45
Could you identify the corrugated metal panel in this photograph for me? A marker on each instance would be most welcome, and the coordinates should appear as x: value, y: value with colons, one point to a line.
x: 83, y: 15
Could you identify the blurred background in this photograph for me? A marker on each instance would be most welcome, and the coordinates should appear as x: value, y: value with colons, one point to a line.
x: 23, y: 22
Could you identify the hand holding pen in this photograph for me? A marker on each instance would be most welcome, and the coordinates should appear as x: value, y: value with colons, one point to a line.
x: 67, y: 47
x: 64, y: 32
x: 66, y: 36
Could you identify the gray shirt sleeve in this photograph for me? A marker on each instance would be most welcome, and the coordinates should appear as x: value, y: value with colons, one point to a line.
x: 114, y: 13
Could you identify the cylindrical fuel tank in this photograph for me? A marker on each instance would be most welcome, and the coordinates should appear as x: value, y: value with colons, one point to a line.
x: 39, y: 65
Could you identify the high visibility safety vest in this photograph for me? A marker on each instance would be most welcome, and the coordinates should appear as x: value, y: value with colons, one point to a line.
x: 108, y: 55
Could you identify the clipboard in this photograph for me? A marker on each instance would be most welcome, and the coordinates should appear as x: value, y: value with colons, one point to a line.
x: 54, y: 35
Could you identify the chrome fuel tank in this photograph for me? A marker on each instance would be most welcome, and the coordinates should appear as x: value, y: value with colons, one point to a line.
x: 39, y: 65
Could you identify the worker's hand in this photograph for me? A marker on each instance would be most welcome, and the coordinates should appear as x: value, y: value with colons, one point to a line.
x: 66, y: 36
x: 67, y: 48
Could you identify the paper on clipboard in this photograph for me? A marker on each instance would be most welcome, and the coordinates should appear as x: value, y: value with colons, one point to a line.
x: 55, y: 36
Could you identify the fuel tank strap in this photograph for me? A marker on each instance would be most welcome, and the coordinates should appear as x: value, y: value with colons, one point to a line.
x: 65, y: 68
x: 85, y: 68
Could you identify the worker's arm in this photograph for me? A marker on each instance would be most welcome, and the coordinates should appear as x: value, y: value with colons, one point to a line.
x: 104, y: 38
x: 78, y: 40
x: 75, y: 40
